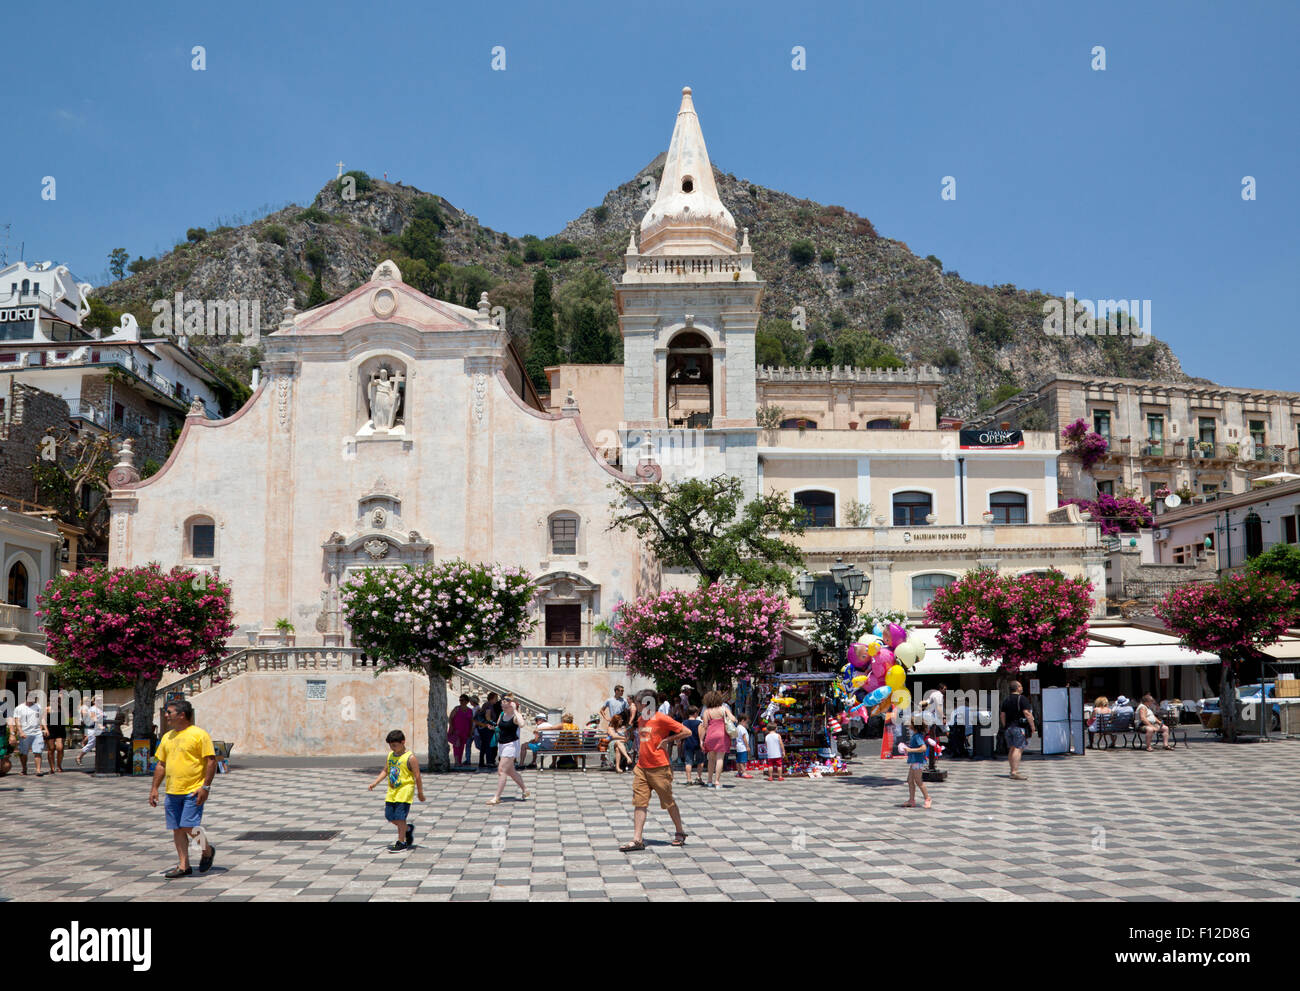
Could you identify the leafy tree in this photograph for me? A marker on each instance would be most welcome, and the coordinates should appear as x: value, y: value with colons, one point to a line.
x: 709, y: 636
x: 591, y: 344
x: 136, y: 623
x: 587, y: 292
x: 996, y: 330
x: 117, y: 262
x: 426, y: 208
x: 471, y: 282
x: 422, y: 239
x: 948, y: 358
x: 195, y: 234
x: 101, y: 315
x: 541, y: 342
x: 768, y: 351
x: 893, y: 319
x: 81, y: 463
x: 316, y: 295
x: 701, y: 524
x: 825, y: 632
x: 828, y: 256
x: 933, y: 260
x: 822, y: 355
x: 314, y: 255
x: 363, y: 182
x: 792, y: 341
x: 436, y: 618
x: 1013, y: 620
x: 802, y: 252
x: 860, y: 349
x: 565, y: 251
x: 1233, y: 617
x: 275, y: 234
x: 1282, y: 560
x: 140, y: 264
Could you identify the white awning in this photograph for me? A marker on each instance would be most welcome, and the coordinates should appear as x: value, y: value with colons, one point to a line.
x: 1286, y: 649
x: 18, y: 655
x: 1136, y: 647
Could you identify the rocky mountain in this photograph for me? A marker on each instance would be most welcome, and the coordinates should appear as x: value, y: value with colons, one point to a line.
x: 825, y: 259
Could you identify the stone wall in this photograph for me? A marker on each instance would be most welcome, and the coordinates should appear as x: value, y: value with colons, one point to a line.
x: 142, y: 418
x: 1134, y: 588
x: 29, y: 415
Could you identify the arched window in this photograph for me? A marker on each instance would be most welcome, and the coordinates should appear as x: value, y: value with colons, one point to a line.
x: 1254, y: 535
x: 911, y: 508
x: 27, y: 286
x: 924, y: 587
x: 1009, y: 507
x: 200, y: 538
x: 798, y: 423
x: 690, y: 380
x: 564, y: 534
x: 819, y: 507
x: 18, y: 584
x: 881, y: 423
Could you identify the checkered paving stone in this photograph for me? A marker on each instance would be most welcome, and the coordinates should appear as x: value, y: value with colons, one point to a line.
x: 1123, y: 825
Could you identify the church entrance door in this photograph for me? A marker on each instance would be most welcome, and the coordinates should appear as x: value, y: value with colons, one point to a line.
x: 563, y: 625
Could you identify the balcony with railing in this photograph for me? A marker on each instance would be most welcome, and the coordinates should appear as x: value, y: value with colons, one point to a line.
x: 16, y: 619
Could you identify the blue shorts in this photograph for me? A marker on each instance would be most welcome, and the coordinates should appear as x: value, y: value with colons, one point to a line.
x: 397, y: 811
x: 1016, y: 738
x: 742, y: 756
x: 34, y: 744
x: 183, y: 811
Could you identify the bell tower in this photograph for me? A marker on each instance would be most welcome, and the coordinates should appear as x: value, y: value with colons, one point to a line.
x: 688, y: 309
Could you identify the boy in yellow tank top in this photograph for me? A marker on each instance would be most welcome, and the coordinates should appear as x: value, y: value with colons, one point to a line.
x: 404, y: 782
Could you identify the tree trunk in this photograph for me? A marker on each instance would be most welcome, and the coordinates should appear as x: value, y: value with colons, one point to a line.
x: 146, y: 693
x: 439, y: 756
x: 1228, y: 702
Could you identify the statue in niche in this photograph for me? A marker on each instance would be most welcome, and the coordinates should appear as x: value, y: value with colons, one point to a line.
x: 379, y: 518
x: 385, y: 397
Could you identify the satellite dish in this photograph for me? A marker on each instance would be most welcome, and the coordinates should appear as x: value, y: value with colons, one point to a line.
x: 1173, y: 501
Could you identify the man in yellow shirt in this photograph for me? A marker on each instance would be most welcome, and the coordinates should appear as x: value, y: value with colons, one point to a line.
x: 188, y: 762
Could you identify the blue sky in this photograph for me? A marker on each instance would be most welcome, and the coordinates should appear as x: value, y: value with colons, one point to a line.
x: 1120, y: 183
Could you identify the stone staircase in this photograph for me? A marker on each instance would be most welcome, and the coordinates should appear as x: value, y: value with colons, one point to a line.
x: 325, y: 659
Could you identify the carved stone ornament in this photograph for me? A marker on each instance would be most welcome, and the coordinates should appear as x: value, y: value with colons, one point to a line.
x: 649, y: 471
x: 480, y: 395
x: 383, y: 302
x: 377, y: 548
x: 197, y: 408
x: 378, y: 519
x: 282, y: 401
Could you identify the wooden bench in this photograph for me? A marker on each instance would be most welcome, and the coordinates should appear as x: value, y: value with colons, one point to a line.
x: 556, y: 743
x: 1111, y: 725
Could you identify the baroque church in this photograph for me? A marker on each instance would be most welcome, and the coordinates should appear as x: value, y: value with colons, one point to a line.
x: 388, y: 428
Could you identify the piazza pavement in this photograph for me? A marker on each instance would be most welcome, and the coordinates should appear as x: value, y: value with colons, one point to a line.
x: 1207, y: 823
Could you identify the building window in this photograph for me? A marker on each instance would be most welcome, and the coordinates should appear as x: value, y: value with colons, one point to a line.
x: 1205, y: 429
x: 911, y: 508
x: 798, y: 423
x: 1257, y: 437
x: 564, y: 535
x: 201, y: 538
x: 818, y: 507
x: 563, y: 625
x: 1289, y: 529
x: 1106, y: 487
x: 1009, y: 507
x: 1155, y: 433
x: 924, y: 587
x: 118, y: 412
x: 18, y: 585
x: 880, y: 424
x: 1101, y: 423
x: 1254, y: 535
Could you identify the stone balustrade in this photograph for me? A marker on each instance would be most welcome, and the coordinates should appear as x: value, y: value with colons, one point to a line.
x: 843, y: 373
x: 16, y: 619
x: 556, y: 658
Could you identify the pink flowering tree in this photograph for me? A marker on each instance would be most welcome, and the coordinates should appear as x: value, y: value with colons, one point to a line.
x: 135, y: 624
x: 1013, y: 620
x: 1233, y: 617
x: 1085, y: 444
x: 1116, y: 514
x: 436, y: 618
x: 708, y: 636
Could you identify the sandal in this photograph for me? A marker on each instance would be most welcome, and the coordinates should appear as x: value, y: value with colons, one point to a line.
x: 631, y: 847
x: 494, y: 801
x: 679, y: 839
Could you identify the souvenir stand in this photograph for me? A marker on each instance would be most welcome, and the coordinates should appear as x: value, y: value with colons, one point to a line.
x: 808, y: 746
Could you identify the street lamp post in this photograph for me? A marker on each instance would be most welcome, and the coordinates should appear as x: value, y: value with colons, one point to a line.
x: 851, y: 585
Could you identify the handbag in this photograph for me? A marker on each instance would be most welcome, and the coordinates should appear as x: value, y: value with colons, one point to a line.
x: 729, y: 721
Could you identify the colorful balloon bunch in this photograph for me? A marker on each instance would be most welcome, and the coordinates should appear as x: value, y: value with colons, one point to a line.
x: 877, y: 669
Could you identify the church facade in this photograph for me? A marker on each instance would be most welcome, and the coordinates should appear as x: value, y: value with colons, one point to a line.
x: 389, y: 428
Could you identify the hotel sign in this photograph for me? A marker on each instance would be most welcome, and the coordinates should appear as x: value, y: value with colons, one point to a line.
x: 986, y: 440
x: 909, y: 536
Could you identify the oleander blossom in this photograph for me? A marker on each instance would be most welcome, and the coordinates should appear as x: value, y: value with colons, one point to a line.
x: 1240, y: 613
x: 711, y: 634
x: 134, y: 623
x: 437, y: 617
x: 1013, y: 620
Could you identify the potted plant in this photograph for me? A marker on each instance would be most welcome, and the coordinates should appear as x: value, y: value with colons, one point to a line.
x: 1232, y: 449
x: 602, y: 631
x: 1205, y: 448
x: 1005, y: 424
x: 853, y: 424
x: 930, y: 518
x: 988, y: 517
x: 286, y: 631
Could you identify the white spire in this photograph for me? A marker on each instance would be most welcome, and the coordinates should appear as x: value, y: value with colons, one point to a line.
x: 688, y: 217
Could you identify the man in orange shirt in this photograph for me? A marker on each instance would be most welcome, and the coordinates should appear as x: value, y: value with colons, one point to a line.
x: 653, y: 772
